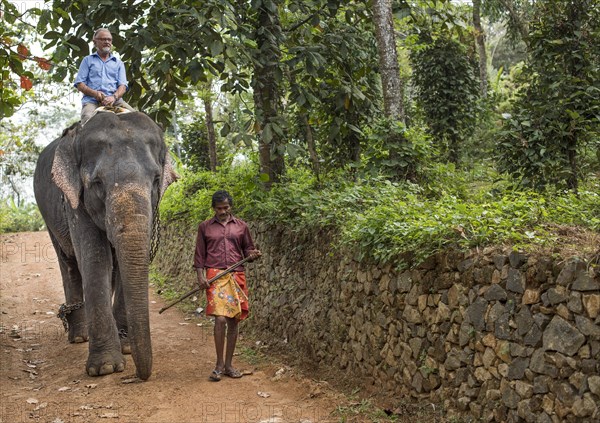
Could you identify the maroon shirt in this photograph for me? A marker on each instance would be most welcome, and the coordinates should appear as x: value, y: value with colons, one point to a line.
x: 220, y: 245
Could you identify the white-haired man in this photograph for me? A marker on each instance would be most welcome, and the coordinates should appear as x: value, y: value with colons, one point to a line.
x: 101, y: 77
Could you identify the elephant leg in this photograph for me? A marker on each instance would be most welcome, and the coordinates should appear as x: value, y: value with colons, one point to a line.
x: 119, y: 312
x: 95, y: 264
x: 73, y: 288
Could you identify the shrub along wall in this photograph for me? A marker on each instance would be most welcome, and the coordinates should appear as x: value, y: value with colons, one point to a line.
x: 492, y: 334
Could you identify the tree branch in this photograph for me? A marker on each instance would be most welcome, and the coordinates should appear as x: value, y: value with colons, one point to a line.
x: 517, y: 19
x: 299, y: 24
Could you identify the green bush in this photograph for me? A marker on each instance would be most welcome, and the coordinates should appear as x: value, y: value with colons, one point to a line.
x: 19, y: 219
x: 394, y: 222
x: 446, y: 91
x: 553, y: 121
x: 190, y: 198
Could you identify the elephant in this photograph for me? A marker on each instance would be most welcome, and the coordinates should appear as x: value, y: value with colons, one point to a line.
x: 98, y: 187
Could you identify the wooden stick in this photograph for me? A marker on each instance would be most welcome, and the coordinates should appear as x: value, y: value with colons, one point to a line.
x: 210, y: 281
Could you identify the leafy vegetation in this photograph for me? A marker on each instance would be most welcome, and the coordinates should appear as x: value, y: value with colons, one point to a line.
x: 194, y: 146
x: 18, y: 154
x: 556, y: 117
x: 447, y: 89
x: 21, y: 69
x: 14, y: 218
x: 163, y: 287
x: 393, y: 222
x: 447, y: 92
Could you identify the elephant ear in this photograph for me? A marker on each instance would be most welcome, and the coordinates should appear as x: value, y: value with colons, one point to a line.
x: 168, y: 175
x: 65, y: 169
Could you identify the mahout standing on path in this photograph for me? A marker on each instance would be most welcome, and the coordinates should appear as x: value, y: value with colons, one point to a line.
x: 222, y: 241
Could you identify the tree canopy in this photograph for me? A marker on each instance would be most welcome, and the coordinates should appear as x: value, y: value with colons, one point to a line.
x: 386, y: 88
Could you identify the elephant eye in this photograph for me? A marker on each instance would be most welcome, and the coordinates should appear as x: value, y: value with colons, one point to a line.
x: 97, y: 185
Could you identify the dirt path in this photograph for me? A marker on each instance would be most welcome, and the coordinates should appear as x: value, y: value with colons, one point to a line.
x: 43, y: 379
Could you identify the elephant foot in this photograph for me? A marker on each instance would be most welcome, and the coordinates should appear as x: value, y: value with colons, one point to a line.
x: 125, y: 346
x: 77, y: 327
x: 105, y: 363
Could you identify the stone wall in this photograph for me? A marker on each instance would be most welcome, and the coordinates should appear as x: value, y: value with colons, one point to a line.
x: 175, y: 255
x: 494, y: 334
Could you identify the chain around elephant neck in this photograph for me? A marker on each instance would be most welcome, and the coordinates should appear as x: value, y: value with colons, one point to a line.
x: 155, y: 240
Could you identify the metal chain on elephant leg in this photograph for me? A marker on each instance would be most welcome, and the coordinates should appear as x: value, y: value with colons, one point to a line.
x: 155, y: 240
x: 66, y: 309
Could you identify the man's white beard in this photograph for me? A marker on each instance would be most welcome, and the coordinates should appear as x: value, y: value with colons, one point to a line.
x: 105, y: 50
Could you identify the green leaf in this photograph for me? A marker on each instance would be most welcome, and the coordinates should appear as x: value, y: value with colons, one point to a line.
x: 267, y: 133
x: 50, y: 35
x: 216, y: 47
x: 196, y: 71
x: 225, y: 129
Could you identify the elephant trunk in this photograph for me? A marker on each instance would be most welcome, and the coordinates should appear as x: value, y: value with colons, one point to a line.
x: 131, y: 233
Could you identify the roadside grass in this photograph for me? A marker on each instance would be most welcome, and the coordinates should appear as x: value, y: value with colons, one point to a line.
x: 162, y: 287
x: 251, y: 355
x: 357, y: 410
x: 23, y: 218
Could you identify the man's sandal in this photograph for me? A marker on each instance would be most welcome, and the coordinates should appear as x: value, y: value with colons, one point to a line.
x: 233, y: 373
x: 215, y: 376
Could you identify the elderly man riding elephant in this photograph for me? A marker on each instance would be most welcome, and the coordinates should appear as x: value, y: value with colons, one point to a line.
x: 98, y: 189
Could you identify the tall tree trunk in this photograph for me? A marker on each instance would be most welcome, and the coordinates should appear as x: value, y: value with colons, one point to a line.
x: 210, y: 127
x: 307, y: 130
x: 310, y: 142
x: 15, y: 190
x: 267, y: 97
x: 454, y: 149
x: 391, y: 83
x: 352, y: 140
x: 480, y: 41
x: 388, y: 59
x: 572, y: 177
x: 176, y: 133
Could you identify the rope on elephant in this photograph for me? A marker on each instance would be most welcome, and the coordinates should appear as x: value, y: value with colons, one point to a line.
x: 66, y: 309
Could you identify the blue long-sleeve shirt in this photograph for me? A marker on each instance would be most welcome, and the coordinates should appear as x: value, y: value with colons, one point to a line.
x: 100, y: 75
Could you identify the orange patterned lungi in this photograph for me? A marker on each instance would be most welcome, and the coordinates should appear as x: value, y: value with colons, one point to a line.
x: 227, y: 296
